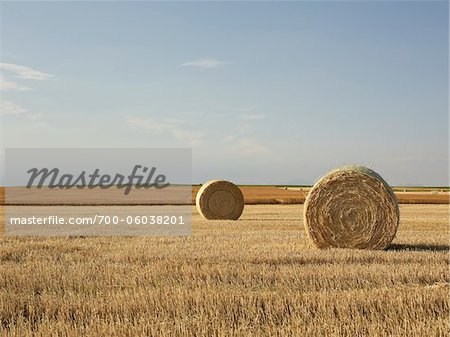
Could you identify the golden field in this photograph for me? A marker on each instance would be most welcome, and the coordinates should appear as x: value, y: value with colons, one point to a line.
x: 258, y: 276
x: 252, y: 195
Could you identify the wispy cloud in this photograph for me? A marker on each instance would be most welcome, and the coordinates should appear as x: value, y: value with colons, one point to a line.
x: 8, y: 85
x: 251, y: 116
x: 10, y: 108
x: 247, y: 145
x: 206, y: 63
x: 166, y: 126
x: 37, y: 116
x: 25, y: 72
x: 20, y: 72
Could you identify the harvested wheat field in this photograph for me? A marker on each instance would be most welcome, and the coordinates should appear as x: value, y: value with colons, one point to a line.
x: 252, y: 195
x: 258, y: 276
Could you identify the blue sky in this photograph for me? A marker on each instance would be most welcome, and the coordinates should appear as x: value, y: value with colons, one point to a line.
x: 264, y: 92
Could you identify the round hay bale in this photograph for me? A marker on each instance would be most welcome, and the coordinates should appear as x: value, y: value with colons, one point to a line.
x: 351, y: 207
x: 220, y: 200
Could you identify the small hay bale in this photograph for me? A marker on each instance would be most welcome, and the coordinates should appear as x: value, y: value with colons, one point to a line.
x: 351, y: 207
x: 220, y: 200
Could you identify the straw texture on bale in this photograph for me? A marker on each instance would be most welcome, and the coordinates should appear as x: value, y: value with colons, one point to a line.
x: 220, y: 200
x: 351, y: 207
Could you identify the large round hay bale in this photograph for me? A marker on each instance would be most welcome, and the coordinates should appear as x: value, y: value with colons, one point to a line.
x: 351, y: 207
x: 220, y: 200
